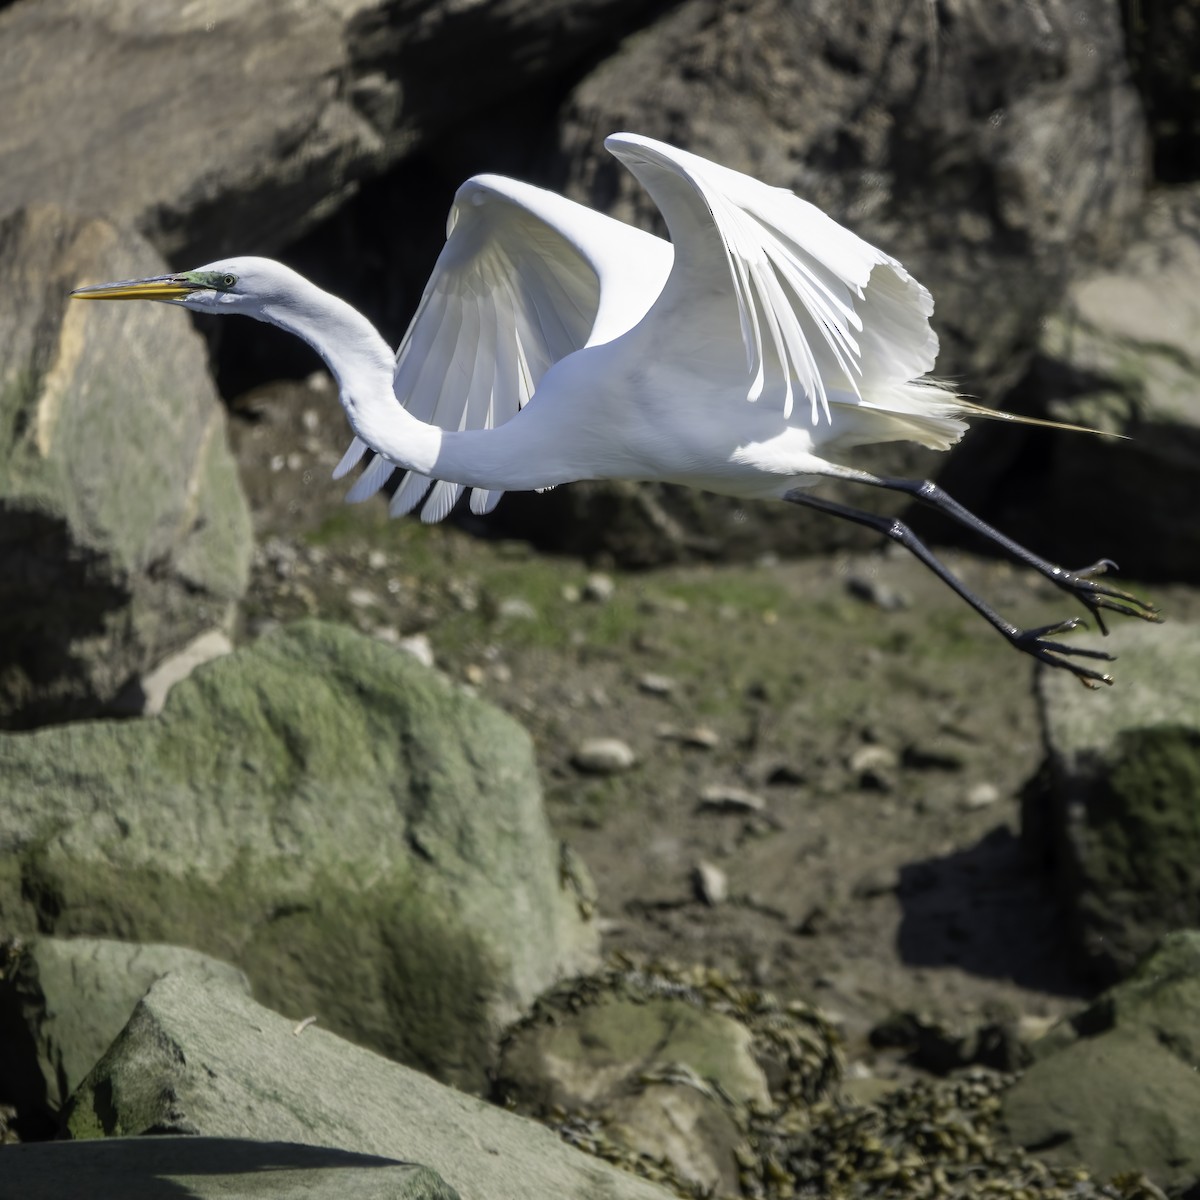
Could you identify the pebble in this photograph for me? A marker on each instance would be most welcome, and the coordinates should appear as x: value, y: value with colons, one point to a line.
x: 700, y: 737
x: 376, y: 560
x: 710, y: 883
x: 874, y: 591
x: 725, y: 799
x: 599, y: 587
x: 362, y: 598
x: 874, y: 766
x: 656, y: 685
x: 603, y: 756
x: 516, y: 608
x: 982, y: 795
x: 419, y: 646
x: 873, y: 758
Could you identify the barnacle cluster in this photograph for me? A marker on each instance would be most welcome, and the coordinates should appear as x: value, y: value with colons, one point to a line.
x: 925, y: 1140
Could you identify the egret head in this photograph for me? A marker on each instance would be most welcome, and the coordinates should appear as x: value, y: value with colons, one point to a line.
x: 232, y: 285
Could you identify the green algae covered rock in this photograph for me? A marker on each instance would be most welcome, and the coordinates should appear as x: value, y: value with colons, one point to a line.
x: 363, y: 838
x: 1116, y: 810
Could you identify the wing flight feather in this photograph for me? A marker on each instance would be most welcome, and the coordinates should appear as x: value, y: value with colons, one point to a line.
x: 820, y: 310
x: 512, y: 293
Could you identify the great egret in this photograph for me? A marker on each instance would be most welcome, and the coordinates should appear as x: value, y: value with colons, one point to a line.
x: 750, y: 355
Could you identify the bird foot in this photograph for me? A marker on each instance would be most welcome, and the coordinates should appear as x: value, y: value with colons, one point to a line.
x: 1098, y: 597
x: 1059, y: 654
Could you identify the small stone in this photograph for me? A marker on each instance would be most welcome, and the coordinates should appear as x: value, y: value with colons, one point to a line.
x: 388, y: 634
x: 710, y: 883
x: 516, y: 608
x: 982, y: 795
x: 701, y: 737
x: 874, y: 766
x: 295, y: 461
x: 419, y: 646
x: 599, y: 587
x: 571, y: 593
x: 603, y: 756
x: 376, y: 560
x: 873, y: 758
x: 310, y: 419
x: 873, y: 591
x: 724, y: 799
x: 362, y: 598
x: 656, y: 685
x: 474, y: 674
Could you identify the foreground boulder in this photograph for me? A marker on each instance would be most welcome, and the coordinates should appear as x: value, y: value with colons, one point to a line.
x: 198, y: 1057
x: 1114, y: 814
x: 62, y: 1003
x: 1117, y: 1086
x: 125, y: 532
x: 365, y: 839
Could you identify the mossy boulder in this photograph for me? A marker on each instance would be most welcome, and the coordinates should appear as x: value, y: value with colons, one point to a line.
x: 1114, y: 813
x: 364, y: 838
x: 125, y: 531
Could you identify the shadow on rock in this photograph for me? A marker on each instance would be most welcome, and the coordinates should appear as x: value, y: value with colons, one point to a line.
x: 985, y: 910
x: 166, y: 1167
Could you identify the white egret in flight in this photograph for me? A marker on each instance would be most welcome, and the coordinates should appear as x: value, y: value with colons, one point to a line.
x: 750, y: 355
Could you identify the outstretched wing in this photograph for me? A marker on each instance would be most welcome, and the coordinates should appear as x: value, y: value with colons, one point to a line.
x: 517, y: 287
x: 820, y: 310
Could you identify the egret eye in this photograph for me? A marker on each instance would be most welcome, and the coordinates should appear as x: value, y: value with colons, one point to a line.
x: 228, y: 280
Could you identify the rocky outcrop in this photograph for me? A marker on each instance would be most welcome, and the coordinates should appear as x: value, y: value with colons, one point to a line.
x: 364, y: 839
x: 225, y: 127
x: 1113, y: 814
x: 124, y: 532
x: 198, y: 1057
x: 1118, y: 355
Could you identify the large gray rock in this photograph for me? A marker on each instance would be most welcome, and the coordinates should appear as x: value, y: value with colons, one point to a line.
x: 211, y: 1169
x: 198, y: 1057
x: 124, y: 532
x: 365, y: 839
x: 1117, y: 1087
x: 64, y: 1000
x: 1115, y: 809
x: 227, y: 126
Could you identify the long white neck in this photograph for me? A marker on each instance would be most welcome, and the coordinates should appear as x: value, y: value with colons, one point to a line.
x: 362, y: 363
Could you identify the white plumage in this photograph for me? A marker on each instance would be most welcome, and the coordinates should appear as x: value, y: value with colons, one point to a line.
x: 748, y: 355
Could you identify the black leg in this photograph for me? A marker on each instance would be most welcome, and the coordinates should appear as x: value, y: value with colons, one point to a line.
x: 1031, y: 641
x: 1081, y: 584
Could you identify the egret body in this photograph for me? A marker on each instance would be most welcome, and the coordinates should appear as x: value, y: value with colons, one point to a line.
x: 749, y: 355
